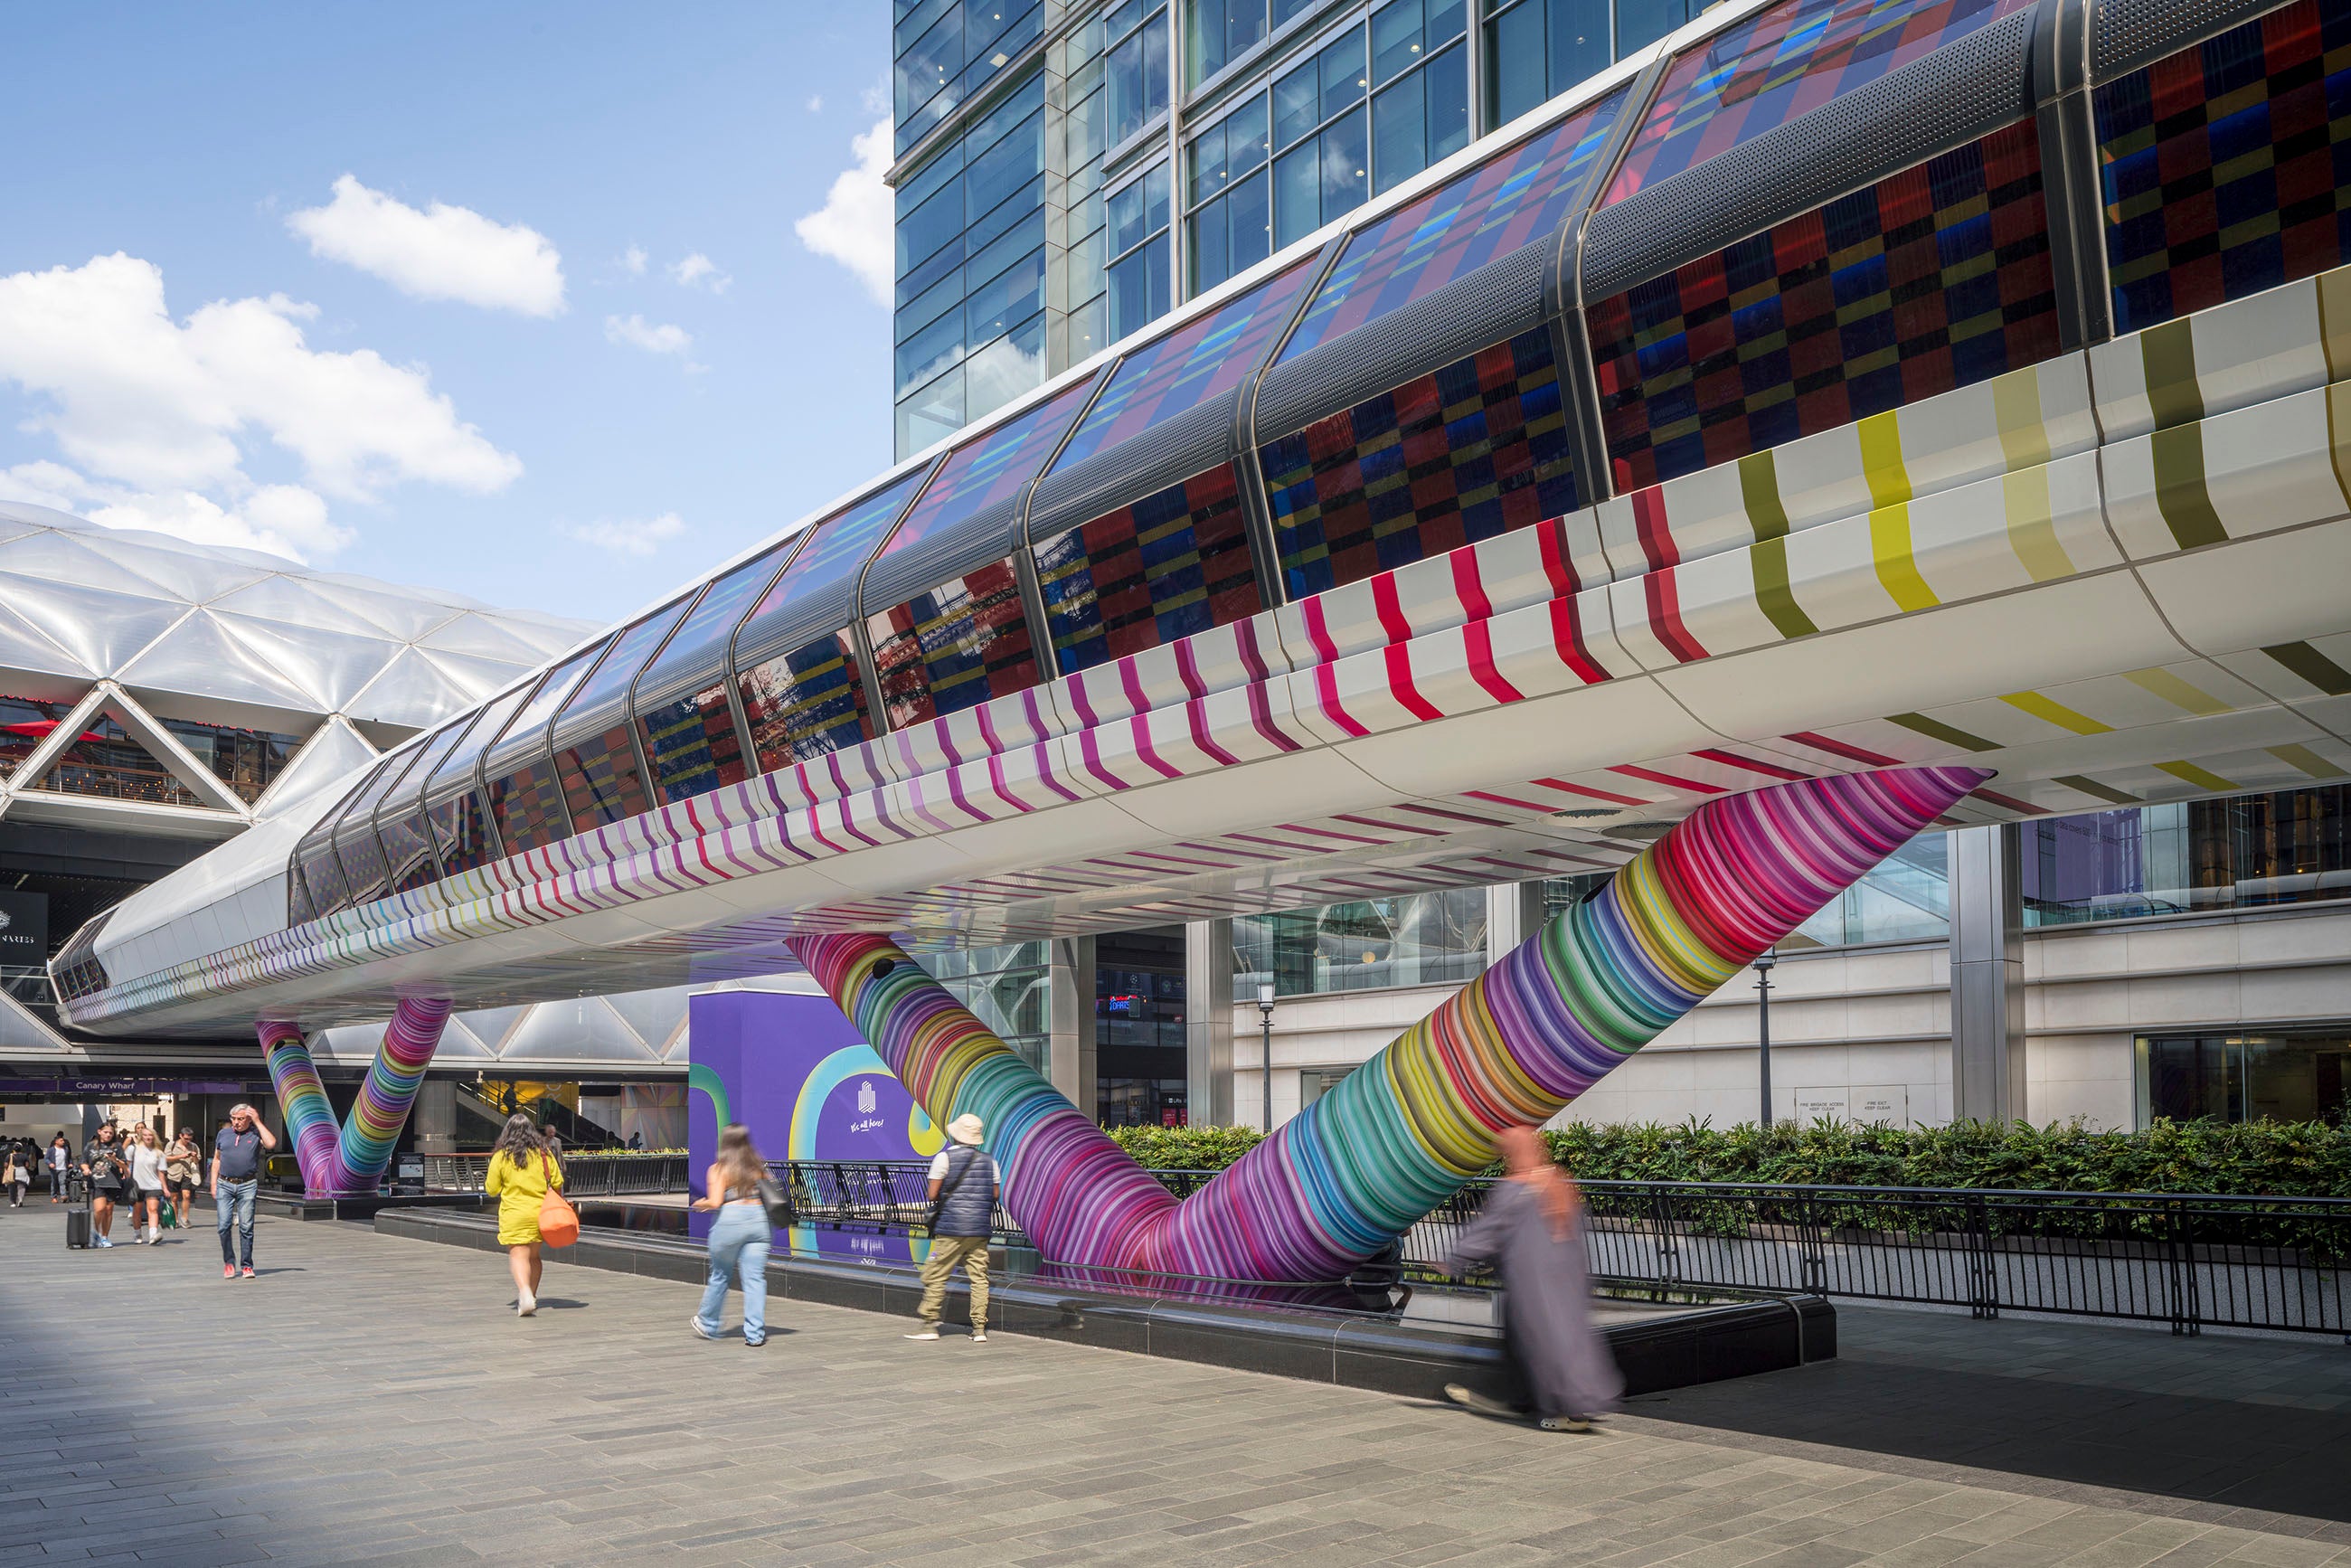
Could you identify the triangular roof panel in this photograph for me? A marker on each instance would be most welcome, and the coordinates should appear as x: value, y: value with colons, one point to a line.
x: 483, y: 637
x: 198, y: 657
x: 330, y: 756
x: 403, y: 616
x: 585, y: 1029
x: 411, y: 690
x: 334, y: 664
x: 655, y: 1016
x: 22, y: 647
x: 101, y: 627
x: 289, y: 600
x: 175, y: 565
x: 480, y: 677
x: 63, y: 558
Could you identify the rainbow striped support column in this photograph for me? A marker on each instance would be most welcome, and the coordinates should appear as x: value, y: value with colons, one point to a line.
x: 1335, y: 1184
x: 302, y: 1099
x: 353, y: 1160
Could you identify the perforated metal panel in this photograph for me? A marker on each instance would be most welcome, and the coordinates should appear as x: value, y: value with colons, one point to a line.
x: 1498, y: 301
x: 1164, y: 454
x: 1955, y: 95
x: 985, y: 536
x: 2127, y: 34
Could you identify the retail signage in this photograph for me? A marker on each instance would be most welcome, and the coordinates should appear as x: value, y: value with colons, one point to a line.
x: 111, y: 1088
x: 794, y: 1069
x: 24, y: 930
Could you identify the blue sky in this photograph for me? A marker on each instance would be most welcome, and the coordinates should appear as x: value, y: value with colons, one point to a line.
x: 411, y: 290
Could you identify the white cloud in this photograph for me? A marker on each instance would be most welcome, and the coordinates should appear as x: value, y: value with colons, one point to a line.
x: 639, y: 333
x: 816, y: 103
x: 853, y: 226
x: 154, y: 417
x: 698, y: 271
x: 441, y: 253
x: 283, y: 519
x: 876, y: 98
x: 626, y: 535
x: 632, y: 261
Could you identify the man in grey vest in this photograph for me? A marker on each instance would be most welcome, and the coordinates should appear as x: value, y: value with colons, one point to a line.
x: 963, y: 1200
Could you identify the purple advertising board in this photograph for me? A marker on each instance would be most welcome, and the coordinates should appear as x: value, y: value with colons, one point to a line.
x: 794, y: 1069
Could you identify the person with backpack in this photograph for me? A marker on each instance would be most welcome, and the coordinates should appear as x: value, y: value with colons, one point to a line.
x: 19, y: 1175
x: 963, y: 1181
x: 740, y: 1239
x: 520, y: 1176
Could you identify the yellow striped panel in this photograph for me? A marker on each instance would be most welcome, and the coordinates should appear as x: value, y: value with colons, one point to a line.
x: 2307, y: 761
x: 2199, y: 777
x: 2055, y: 713
x: 2179, y: 693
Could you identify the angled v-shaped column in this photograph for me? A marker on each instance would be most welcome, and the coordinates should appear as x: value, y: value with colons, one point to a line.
x: 1355, y: 1170
x: 353, y: 1161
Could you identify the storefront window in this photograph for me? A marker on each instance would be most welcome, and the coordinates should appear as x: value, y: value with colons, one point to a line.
x: 2292, y: 846
x: 1417, y: 939
x: 2244, y: 1078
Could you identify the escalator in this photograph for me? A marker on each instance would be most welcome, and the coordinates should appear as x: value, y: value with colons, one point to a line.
x: 480, y: 1119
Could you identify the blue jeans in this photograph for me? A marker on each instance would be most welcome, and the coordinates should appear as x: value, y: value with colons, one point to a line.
x: 235, y: 1200
x: 738, y: 1247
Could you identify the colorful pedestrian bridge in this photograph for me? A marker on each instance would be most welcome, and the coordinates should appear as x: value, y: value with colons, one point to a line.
x: 1943, y: 398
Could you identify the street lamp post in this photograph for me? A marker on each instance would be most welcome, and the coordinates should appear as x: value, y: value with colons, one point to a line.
x: 1265, y: 1020
x: 1763, y: 1023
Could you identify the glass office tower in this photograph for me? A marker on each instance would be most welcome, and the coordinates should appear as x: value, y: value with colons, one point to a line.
x: 1068, y: 171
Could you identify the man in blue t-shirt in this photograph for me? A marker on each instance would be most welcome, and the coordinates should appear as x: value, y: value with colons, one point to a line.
x: 237, y: 1151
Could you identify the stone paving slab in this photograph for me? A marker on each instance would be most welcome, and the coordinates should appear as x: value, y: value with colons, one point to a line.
x: 370, y: 1400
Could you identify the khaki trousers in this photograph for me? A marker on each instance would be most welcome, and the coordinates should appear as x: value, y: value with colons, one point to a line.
x: 946, y: 1251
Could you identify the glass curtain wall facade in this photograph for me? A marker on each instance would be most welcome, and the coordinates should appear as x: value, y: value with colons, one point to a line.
x: 1010, y: 988
x: 1069, y: 172
x: 1416, y: 939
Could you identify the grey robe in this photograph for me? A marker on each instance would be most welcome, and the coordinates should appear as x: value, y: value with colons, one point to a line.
x: 1547, y: 1302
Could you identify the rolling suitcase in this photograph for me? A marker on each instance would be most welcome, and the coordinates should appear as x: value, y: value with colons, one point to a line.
x: 78, y: 1224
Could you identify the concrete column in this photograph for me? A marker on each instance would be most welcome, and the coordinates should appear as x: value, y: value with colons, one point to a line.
x: 1070, y: 1052
x: 1514, y: 911
x: 436, y: 1117
x: 1987, y: 975
x: 1208, y: 1021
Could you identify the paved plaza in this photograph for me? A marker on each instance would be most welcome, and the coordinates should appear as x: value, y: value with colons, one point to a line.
x: 375, y: 1400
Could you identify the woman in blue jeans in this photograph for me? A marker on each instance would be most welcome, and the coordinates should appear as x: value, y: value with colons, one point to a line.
x: 740, y: 1237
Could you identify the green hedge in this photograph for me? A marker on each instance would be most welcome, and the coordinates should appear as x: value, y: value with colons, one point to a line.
x: 2290, y: 1159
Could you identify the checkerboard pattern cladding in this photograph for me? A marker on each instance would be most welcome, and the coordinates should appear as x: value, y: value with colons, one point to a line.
x: 806, y: 703
x: 1513, y: 199
x: 1783, y: 62
x: 953, y: 647
x: 2224, y: 166
x: 1475, y: 450
x: 1199, y: 360
x: 1171, y: 564
x: 692, y: 744
x: 1935, y: 278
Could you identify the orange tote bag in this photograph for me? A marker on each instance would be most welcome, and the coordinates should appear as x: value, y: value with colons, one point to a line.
x: 558, y: 1222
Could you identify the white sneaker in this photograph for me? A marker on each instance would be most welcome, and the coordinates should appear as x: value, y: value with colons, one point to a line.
x: 924, y: 1333
x: 526, y: 1307
x: 102, y: 1241
x: 979, y: 1336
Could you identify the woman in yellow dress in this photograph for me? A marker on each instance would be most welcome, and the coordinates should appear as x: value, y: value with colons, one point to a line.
x: 520, y: 1173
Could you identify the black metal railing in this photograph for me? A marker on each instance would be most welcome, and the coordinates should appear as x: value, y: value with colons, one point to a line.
x: 584, y: 1175
x: 2185, y: 1259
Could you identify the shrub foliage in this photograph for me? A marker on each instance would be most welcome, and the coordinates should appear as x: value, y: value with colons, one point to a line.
x: 2278, y: 1159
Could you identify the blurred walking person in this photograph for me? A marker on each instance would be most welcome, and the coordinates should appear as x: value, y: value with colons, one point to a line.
x: 1531, y: 1230
x: 237, y: 1151
x: 963, y: 1215
x: 146, y: 1153
x: 741, y: 1236
x: 19, y: 1176
x: 521, y: 1173
x: 183, y: 1167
